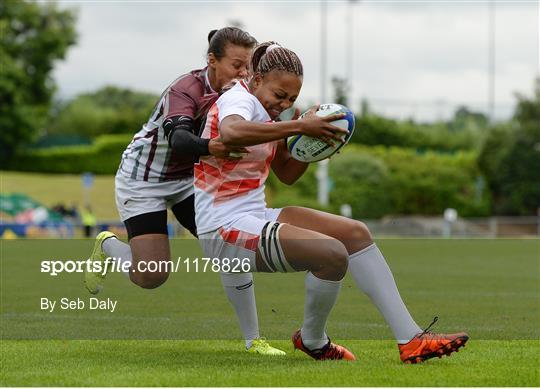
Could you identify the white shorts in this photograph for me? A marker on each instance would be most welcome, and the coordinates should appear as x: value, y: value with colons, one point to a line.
x: 135, y: 197
x: 239, y: 241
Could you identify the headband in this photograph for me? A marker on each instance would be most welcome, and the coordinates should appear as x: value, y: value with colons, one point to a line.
x: 271, y: 47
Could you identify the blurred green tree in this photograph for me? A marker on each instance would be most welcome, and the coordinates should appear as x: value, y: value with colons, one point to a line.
x: 510, y: 159
x: 373, y: 129
x: 341, y: 91
x: 466, y: 119
x: 365, y: 186
x: 33, y: 37
x: 109, y: 110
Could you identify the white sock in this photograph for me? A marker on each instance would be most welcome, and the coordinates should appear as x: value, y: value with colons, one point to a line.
x: 119, y: 250
x: 373, y: 276
x: 241, y: 293
x: 321, y: 295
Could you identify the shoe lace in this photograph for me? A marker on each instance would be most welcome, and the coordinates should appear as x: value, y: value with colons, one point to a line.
x: 428, y: 328
x: 261, y: 342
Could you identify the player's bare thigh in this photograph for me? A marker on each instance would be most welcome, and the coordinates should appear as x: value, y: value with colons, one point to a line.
x: 304, y: 249
x: 352, y: 233
x: 145, y: 249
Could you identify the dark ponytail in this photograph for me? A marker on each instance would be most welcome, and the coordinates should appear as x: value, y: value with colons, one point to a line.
x: 218, y: 40
x: 211, y: 34
x: 258, y: 53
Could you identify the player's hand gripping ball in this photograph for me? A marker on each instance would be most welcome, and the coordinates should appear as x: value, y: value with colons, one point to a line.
x: 307, y: 149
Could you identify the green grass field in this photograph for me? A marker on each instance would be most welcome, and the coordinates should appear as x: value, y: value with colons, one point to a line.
x: 185, y: 333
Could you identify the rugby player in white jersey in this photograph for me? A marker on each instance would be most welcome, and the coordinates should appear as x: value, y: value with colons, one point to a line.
x: 235, y: 225
x: 156, y: 173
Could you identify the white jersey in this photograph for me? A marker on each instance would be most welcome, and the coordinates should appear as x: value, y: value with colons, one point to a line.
x: 226, y: 190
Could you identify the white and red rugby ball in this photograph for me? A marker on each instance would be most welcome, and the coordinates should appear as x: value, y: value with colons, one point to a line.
x: 307, y: 149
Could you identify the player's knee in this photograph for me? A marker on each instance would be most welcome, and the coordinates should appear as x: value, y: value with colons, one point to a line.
x: 359, y: 237
x: 337, y: 258
x: 151, y: 280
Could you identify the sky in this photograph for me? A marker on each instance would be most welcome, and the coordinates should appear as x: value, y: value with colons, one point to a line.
x: 409, y: 59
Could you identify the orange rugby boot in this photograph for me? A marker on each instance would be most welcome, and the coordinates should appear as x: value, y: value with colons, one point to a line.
x: 328, y: 351
x: 426, y: 345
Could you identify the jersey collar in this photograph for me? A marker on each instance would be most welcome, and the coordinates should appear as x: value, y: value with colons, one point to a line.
x: 207, y: 82
x: 243, y: 83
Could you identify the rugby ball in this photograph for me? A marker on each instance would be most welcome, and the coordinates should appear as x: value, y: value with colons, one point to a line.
x: 307, y: 149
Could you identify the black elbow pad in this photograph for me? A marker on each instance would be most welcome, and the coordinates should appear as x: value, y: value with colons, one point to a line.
x: 179, y: 131
x: 170, y: 125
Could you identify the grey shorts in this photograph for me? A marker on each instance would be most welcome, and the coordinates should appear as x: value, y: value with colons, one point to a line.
x: 135, y: 197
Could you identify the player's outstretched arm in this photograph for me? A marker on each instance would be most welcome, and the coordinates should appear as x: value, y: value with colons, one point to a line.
x: 236, y: 131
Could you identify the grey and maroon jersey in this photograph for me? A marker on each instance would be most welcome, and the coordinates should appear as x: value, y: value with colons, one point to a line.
x: 149, y: 157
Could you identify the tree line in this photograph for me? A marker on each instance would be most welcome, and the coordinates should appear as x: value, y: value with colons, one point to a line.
x: 35, y: 36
